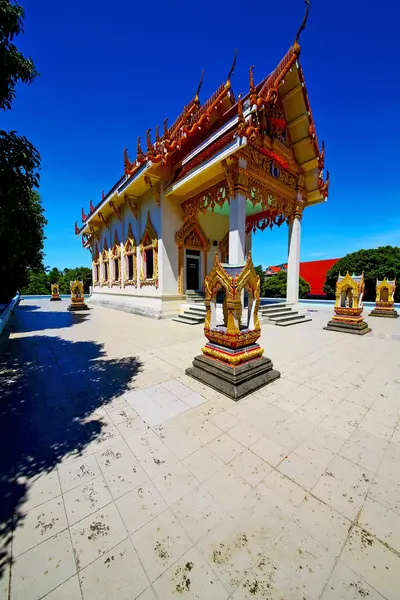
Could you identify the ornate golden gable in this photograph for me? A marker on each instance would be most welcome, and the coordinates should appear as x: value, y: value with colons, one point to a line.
x: 191, y: 235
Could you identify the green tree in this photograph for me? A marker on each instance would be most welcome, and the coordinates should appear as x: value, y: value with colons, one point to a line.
x: 54, y: 275
x: 260, y: 272
x: 375, y: 263
x: 38, y: 283
x: 14, y: 66
x: 81, y: 273
x: 22, y: 218
x: 275, y: 286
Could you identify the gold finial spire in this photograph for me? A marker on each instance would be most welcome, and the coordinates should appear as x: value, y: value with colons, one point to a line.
x: 296, y: 45
x: 253, y: 95
x: 157, y: 133
x: 228, y: 81
x: 196, y: 98
x: 139, y: 151
x: 165, y: 128
x: 148, y: 140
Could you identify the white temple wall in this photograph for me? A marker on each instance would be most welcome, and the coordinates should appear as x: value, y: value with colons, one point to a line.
x: 172, y: 221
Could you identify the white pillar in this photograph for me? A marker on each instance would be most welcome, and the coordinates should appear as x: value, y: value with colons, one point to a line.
x: 293, y: 265
x: 237, y: 222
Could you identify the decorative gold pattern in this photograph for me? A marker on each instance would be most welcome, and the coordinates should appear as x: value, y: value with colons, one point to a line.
x: 190, y: 236
x: 385, y: 291
x: 149, y: 241
x: 130, y: 250
x: 232, y: 335
x: 349, y: 298
x: 77, y: 294
x: 55, y: 291
x: 133, y: 205
x: 155, y: 188
x: 217, y: 194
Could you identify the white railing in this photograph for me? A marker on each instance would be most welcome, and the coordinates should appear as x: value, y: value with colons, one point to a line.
x: 6, y: 316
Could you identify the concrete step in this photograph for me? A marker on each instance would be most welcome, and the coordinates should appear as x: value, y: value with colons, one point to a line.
x: 272, y: 313
x: 194, y: 316
x: 187, y: 320
x: 296, y: 321
x: 197, y: 310
x: 285, y: 316
x: 290, y: 319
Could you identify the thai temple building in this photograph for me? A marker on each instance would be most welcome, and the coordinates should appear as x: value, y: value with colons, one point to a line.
x: 224, y: 169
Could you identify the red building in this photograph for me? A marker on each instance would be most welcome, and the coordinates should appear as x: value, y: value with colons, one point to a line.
x: 314, y: 272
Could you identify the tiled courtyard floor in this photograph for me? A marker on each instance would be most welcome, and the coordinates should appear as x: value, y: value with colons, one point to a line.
x: 121, y: 478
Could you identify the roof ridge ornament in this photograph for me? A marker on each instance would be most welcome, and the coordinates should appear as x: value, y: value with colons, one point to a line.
x: 196, y: 98
x: 228, y: 81
x: 296, y: 45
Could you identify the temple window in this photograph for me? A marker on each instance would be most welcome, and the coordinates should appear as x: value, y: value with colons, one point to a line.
x: 96, y: 267
x: 149, y: 255
x: 106, y: 271
x: 130, y: 267
x: 116, y: 257
x: 149, y: 263
x: 130, y: 259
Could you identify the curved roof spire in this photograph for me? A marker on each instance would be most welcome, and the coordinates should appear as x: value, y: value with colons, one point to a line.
x: 196, y: 98
x: 228, y: 81
x: 296, y: 45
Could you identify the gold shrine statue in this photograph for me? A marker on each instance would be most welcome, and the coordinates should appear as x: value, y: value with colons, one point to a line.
x: 349, y: 305
x: 384, y: 304
x: 232, y: 361
x: 55, y: 292
x: 77, y: 296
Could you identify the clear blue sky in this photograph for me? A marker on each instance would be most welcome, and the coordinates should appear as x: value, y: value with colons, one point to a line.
x: 110, y: 70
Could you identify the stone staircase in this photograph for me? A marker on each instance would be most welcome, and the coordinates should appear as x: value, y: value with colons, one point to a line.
x: 193, y: 296
x: 195, y: 313
x: 281, y: 314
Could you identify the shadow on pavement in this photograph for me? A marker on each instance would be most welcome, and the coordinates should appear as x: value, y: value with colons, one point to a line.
x: 33, y: 318
x: 48, y: 388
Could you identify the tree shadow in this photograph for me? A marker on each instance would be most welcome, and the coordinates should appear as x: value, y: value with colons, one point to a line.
x: 42, y: 319
x: 49, y: 387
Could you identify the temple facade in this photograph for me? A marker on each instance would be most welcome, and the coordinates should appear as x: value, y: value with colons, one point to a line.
x: 223, y: 170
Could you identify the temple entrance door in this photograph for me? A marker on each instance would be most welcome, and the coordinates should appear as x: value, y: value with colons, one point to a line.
x: 192, y: 270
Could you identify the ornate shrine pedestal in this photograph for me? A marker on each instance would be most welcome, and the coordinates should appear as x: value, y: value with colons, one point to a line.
x: 384, y: 304
x: 232, y: 361
x: 349, y: 306
x: 55, y: 292
x: 77, y: 297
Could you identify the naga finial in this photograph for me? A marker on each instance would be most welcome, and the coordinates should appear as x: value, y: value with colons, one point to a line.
x: 91, y: 207
x: 241, y: 119
x: 196, y: 98
x: 139, y: 150
x: 127, y: 162
x: 228, y: 81
x: 158, y: 139
x: 253, y: 94
x: 102, y: 195
x: 165, y: 128
x: 148, y: 140
x: 321, y: 158
x: 296, y: 45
